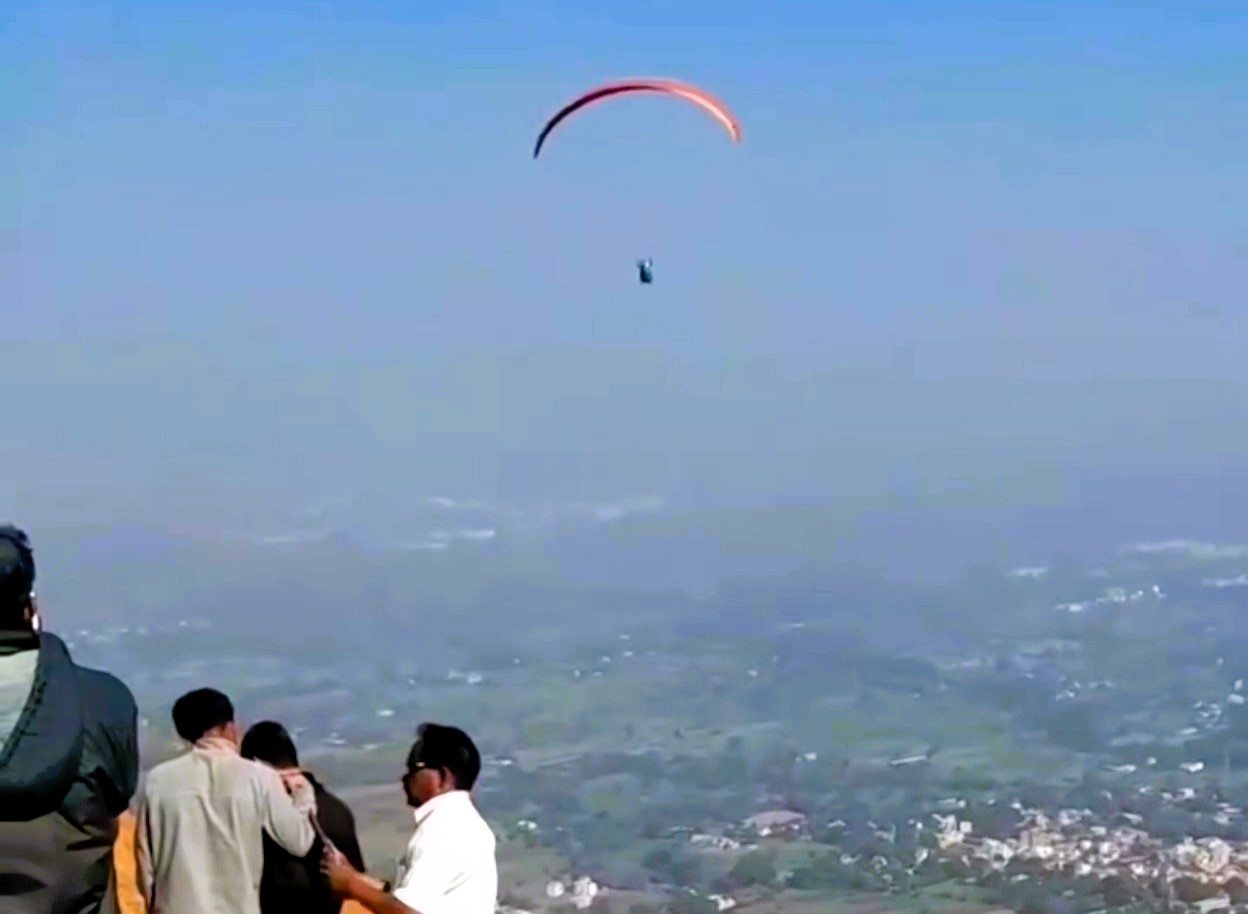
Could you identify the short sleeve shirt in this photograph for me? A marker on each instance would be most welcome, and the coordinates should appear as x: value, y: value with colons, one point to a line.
x: 449, y: 865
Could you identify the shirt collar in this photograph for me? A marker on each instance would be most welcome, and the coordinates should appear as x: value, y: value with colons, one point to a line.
x: 216, y: 745
x: 18, y: 641
x: 449, y: 800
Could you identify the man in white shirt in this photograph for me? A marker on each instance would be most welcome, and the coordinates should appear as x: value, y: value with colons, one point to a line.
x: 449, y: 865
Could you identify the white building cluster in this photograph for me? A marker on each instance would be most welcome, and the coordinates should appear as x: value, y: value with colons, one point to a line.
x: 581, y: 894
x: 1202, y: 874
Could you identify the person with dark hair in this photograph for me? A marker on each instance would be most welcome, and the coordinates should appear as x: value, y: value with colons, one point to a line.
x: 449, y: 866
x: 202, y: 817
x: 292, y: 884
x: 69, y: 757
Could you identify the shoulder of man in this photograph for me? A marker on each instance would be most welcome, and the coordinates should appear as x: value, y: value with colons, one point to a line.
x: 481, y: 826
x: 264, y: 778
x: 334, y: 815
x: 96, y: 715
x: 159, y: 778
x: 466, y: 821
x: 242, y: 774
x: 327, y: 800
x: 107, y: 701
x: 169, y: 768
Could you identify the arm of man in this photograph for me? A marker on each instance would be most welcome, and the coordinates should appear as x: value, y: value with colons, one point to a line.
x: 112, y: 739
x: 367, y: 892
x: 351, y: 885
x: 427, y: 873
x: 351, y: 850
x: 339, y: 824
x: 285, y: 818
x: 125, y: 893
x: 124, y: 745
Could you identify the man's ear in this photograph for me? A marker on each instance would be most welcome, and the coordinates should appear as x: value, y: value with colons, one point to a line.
x: 32, y: 614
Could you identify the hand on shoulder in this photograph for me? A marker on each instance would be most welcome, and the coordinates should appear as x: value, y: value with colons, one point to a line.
x: 300, y: 790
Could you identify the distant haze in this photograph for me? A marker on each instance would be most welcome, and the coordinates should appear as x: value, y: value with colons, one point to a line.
x: 257, y: 259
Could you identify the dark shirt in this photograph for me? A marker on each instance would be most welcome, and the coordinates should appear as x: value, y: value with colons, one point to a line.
x: 296, y: 885
x: 67, y: 771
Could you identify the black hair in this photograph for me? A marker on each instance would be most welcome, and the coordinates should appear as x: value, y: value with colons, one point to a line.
x: 447, y: 749
x: 269, y: 742
x: 200, y: 711
x: 17, y: 577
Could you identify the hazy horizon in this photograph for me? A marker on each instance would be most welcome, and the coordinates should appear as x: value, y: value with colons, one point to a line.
x: 266, y: 256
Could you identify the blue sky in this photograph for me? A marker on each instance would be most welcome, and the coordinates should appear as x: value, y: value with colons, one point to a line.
x: 983, y: 193
x: 379, y: 152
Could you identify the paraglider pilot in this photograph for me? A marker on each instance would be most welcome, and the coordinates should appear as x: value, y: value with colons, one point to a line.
x: 645, y: 271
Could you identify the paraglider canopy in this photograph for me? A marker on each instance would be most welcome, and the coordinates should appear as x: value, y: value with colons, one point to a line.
x: 703, y: 99
x: 690, y: 93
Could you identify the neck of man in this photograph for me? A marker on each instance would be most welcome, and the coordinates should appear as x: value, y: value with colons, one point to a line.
x: 218, y: 739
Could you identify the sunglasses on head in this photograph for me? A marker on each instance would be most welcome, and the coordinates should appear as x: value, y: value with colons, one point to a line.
x: 415, y: 770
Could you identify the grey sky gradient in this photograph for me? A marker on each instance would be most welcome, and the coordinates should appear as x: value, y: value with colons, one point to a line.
x: 254, y: 264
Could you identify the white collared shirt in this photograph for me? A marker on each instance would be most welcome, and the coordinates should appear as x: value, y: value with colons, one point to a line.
x: 449, y: 865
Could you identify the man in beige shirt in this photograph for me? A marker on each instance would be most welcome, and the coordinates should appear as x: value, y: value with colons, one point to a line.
x: 202, y: 817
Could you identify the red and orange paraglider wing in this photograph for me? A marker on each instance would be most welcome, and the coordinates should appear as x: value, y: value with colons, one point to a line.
x: 702, y: 99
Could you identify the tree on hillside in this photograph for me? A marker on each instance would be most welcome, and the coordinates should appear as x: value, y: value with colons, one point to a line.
x: 757, y: 868
x: 688, y: 903
x: 678, y: 868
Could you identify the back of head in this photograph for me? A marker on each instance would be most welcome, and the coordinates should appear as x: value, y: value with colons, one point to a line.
x: 447, y: 749
x: 200, y: 712
x: 17, y: 578
x: 269, y: 742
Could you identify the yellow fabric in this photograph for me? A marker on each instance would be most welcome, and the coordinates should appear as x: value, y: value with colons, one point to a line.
x: 129, y: 898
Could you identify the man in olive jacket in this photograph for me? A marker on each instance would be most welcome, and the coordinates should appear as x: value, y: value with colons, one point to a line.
x: 69, y: 758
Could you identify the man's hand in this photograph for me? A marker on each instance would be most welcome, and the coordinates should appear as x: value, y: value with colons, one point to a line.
x: 293, y: 778
x: 339, y: 871
x: 347, y: 882
x: 300, y: 790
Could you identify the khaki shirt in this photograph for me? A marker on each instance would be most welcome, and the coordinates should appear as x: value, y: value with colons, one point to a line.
x: 199, y: 831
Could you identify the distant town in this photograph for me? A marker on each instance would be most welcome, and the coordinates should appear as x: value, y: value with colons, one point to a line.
x: 1074, y: 740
